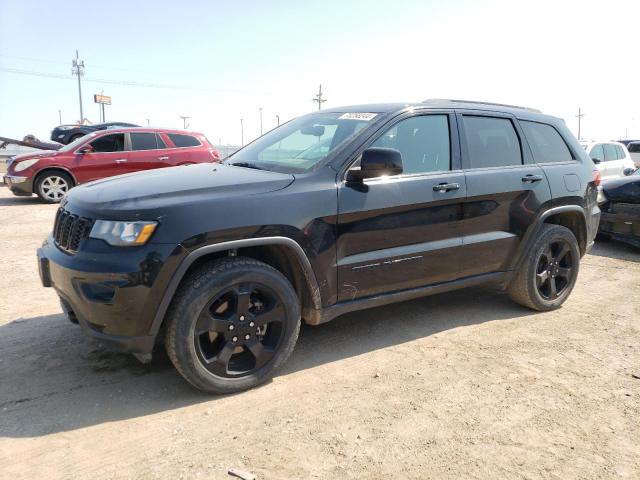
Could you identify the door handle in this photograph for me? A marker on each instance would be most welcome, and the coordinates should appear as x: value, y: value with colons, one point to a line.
x: 121, y: 160
x: 445, y: 187
x: 531, y: 178
x: 163, y: 158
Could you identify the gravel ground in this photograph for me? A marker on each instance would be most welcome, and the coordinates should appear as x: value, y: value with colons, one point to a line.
x: 461, y: 385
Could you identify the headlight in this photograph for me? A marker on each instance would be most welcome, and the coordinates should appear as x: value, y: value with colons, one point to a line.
x: 20, y: 166
x: 123, y: 234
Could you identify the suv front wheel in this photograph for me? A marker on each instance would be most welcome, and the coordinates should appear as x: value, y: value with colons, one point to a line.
x: 232, y: 324
x: 549, y: 272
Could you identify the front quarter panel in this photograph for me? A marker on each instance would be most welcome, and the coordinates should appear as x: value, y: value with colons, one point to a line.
x: 304, y: 212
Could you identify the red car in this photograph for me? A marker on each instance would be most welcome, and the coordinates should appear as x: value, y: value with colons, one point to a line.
x: 51, y: 174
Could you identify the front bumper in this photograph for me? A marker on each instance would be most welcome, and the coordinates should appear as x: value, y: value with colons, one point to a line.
x: 113, y: 292
x: 18, y: 185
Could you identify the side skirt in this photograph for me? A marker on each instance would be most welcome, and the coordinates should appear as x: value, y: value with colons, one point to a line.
x: 341, y: 308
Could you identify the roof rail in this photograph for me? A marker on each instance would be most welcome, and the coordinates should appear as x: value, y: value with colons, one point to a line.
x: 449, y: 100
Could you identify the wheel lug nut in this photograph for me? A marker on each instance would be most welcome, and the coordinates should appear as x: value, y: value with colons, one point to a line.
x: 247, y: 336
x: 231, y: 327
x: 235, y: 339
x: 251, y: 324
x: 242, y: 318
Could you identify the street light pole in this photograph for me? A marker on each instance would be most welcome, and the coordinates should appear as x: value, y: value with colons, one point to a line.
x: 78, y: 70
x: 278, y: 118
x: 184, y: 122
x: 241, y: 132
x: 260, y: 120
x: 60, y: 116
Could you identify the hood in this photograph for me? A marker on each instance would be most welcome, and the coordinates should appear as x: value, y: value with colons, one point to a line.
x: 625, y: 189
x: 167, y: 188
x: 38, y: 154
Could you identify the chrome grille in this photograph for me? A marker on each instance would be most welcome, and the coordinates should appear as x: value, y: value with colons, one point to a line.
x: 69, y: 230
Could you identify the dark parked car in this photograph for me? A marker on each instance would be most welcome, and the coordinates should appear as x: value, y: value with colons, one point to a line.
x: 332, y: 212
x: 51, y: 174
x: 66, y: 134
x: 621, y: 209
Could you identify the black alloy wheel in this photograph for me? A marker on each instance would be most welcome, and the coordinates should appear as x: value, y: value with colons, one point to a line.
x: 555, y: 269
x: 239, y: 330
x: 232, y: 324
x: 549, y: 270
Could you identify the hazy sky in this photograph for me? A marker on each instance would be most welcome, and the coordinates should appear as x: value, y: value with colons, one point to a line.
x: 226, y: 59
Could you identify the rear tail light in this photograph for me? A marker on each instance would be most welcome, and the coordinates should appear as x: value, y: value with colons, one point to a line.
x: 215, y: 155
x: 597, y: 177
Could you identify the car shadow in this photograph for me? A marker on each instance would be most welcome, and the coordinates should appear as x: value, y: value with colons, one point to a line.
x: 616, y: 249
x: 19, y: 201
x: 55, y: 379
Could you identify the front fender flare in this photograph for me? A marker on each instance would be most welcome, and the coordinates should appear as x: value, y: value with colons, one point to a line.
x: 232, y: 245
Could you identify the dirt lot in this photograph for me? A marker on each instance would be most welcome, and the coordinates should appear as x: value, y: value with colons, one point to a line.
x: 459, y: 385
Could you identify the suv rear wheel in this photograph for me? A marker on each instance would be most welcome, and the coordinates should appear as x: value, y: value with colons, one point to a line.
x: 549, y: 271
x: 232, y: 324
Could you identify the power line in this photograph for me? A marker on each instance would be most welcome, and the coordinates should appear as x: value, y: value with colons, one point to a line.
x: 129, y: 83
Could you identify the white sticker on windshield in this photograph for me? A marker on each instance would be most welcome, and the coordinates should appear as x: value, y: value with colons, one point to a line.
x: 358, y: 116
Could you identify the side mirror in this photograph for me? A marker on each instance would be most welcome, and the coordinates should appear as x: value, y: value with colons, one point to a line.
x: 377, y: 162
x: 86, y: 149
x: 628, y: 171
x: 596, y: 160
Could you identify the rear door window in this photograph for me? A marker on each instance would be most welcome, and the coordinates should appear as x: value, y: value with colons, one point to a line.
x: 109, y: 143
x: 546, y: 143
x: 491, y: 142
x: 610, y: 152
x: 143, y: 141
x: 180, y: 140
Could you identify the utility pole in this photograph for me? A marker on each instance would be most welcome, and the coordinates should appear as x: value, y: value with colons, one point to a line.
x: 579, y: 117
x: 241, y: 132
x: 318, y: 98
x: 78, y: 70
x: 260, y: 120
x: 184, y: 122
x: 278, y: 119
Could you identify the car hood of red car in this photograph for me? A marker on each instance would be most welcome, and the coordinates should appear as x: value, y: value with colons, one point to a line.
x: 164, y: 189
x: 38, y: 154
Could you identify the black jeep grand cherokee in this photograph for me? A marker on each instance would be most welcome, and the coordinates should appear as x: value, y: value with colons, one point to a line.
x: 336, y: 211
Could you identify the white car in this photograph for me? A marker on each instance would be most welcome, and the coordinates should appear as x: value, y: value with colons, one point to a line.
x: 611, y: 158
x: 634, y: 151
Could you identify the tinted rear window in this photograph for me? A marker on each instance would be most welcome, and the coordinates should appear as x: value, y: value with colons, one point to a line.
x: 143, y: 141
x: 180, y: 140
x: 634, y: 147
x: 546, y: 143
x: 491, y: 142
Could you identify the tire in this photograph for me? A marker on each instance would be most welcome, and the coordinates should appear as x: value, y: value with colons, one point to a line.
x: 51, y: 186
x: 232, y: 324
x: 549, y: 271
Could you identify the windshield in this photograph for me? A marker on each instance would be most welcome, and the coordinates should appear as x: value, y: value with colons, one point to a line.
x: 73, y: 145
x: 301, y: 144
